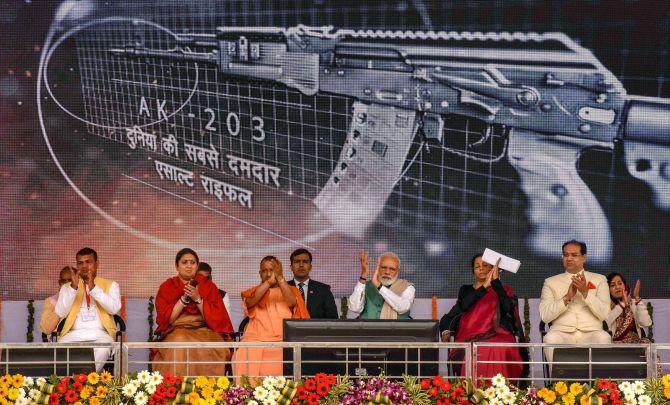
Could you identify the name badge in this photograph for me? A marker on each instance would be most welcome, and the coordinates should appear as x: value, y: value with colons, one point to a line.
x: 88, y: 315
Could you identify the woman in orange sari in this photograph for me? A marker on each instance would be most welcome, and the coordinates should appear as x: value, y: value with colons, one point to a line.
x: 189, y: 309
x: 486, y: 311
x: 267, y: 305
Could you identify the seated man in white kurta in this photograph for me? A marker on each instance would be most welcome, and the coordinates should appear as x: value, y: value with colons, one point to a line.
x: 89, y: 304
x: 575, y: 302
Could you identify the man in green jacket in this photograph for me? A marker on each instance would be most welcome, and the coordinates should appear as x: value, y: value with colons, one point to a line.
x: 384, y: 296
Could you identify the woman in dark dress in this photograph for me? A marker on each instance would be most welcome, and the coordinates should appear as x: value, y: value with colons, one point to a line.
x: 486, y: 311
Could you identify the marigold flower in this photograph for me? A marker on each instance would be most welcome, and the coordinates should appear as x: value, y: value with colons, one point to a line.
x: 17, y: 380
x: 223, y: 383
x: 576, y: 388
x: 666, y: 391
x: 550, y: 397
x: 101, y: 391
x: 561, y: 388
x: 94, y: 401
x: 13, y: 393
x: 105, y: 376
x: 93, y: 378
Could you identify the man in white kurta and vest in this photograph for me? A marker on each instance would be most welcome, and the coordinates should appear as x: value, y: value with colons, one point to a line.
x: 88, y: 303
x: 575, y: 302
x: 384, y: 296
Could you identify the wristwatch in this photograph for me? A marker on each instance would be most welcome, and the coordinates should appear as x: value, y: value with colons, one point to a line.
x: 199, y: 301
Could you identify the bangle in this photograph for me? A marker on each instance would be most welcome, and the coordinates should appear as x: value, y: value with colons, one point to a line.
x: 183, y: 301
x: 363, y: 278
x: 199, y: 301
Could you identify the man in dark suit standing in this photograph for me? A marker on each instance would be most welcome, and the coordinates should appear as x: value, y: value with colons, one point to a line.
x: 318, y: 297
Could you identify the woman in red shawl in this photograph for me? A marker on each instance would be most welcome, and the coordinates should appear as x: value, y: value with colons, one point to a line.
x: 486, y: 311
x: 189, y: 309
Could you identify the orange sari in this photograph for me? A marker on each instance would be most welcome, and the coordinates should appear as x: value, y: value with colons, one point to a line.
x: 265, y: 325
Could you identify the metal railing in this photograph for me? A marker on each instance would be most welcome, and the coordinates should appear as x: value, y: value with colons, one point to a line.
x: 393, y: 359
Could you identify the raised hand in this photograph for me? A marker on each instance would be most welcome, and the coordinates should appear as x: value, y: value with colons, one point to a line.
x: 626, y: 298
x: 375, y: 276
x: 496, y: 270
x: 365, y: 263
x: 74, y: 282
x: 579, y: 281
x: 636, y: 291
x: 273, y: 279
x: 278, y: 270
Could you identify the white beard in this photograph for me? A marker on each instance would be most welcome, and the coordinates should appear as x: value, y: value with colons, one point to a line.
x: 387, y: 281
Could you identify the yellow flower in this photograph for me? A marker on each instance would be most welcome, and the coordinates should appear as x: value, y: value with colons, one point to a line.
x: 201, y: 382
x: 550, y: 397
x: 666, y: 380
x: 17, y: 380
x: 13, y: 394
x: 78, y: 403
x: 101, y: 391
x: 193, y: 398
x: 85, y: 392
x: 561, y: 388
x: 94, y: 401
x: 218, y: 394
x: 542, y: 393
x: 106, y: 376
x: 223, y: 383
x: 585, y: 400
x: 568, y: 399
x: 6, y: 379
x: 3, y: 391
x: 576, y: 388
x: 666, y: 391
x: 207, y: 392
x: 93, y: 378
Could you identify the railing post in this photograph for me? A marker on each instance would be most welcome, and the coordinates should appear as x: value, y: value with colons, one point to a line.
x: 297, y: 363
x: 652, y: 358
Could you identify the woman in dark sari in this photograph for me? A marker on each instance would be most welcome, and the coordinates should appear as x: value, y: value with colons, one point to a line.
x: 486, y: 311
x: 628, y: 315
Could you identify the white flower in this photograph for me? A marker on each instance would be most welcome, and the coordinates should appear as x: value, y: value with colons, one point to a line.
x: 129, y: 389
x: 22, y: 401
x: 501, y: 390
x: 629, y: 396
x: 625, y: 387
x: 34, y: 394
x: 252, y: 402
x: 269, y: 402
x: 156, y: 378
x: 269, y: 383
x: 22, y: 393
x: 280, y: 382
x: 136, y: 383
x: 629, y: 402
x: 150, y: 388
x: 495, y: 401
x: 498, y: 380
x: 260, y: 393
x: 41, y: 381
x: 638, y: 387
x: 143, y: 376
x: 274, y: 395
x: 644, y: 400
x: 141, y: 398
x: 28, y: 382
x: 489, y: 393
x: 509, y: 398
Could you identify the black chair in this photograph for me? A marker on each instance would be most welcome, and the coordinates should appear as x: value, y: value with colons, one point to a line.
x: 120, y: 332
x: 241, y: 328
